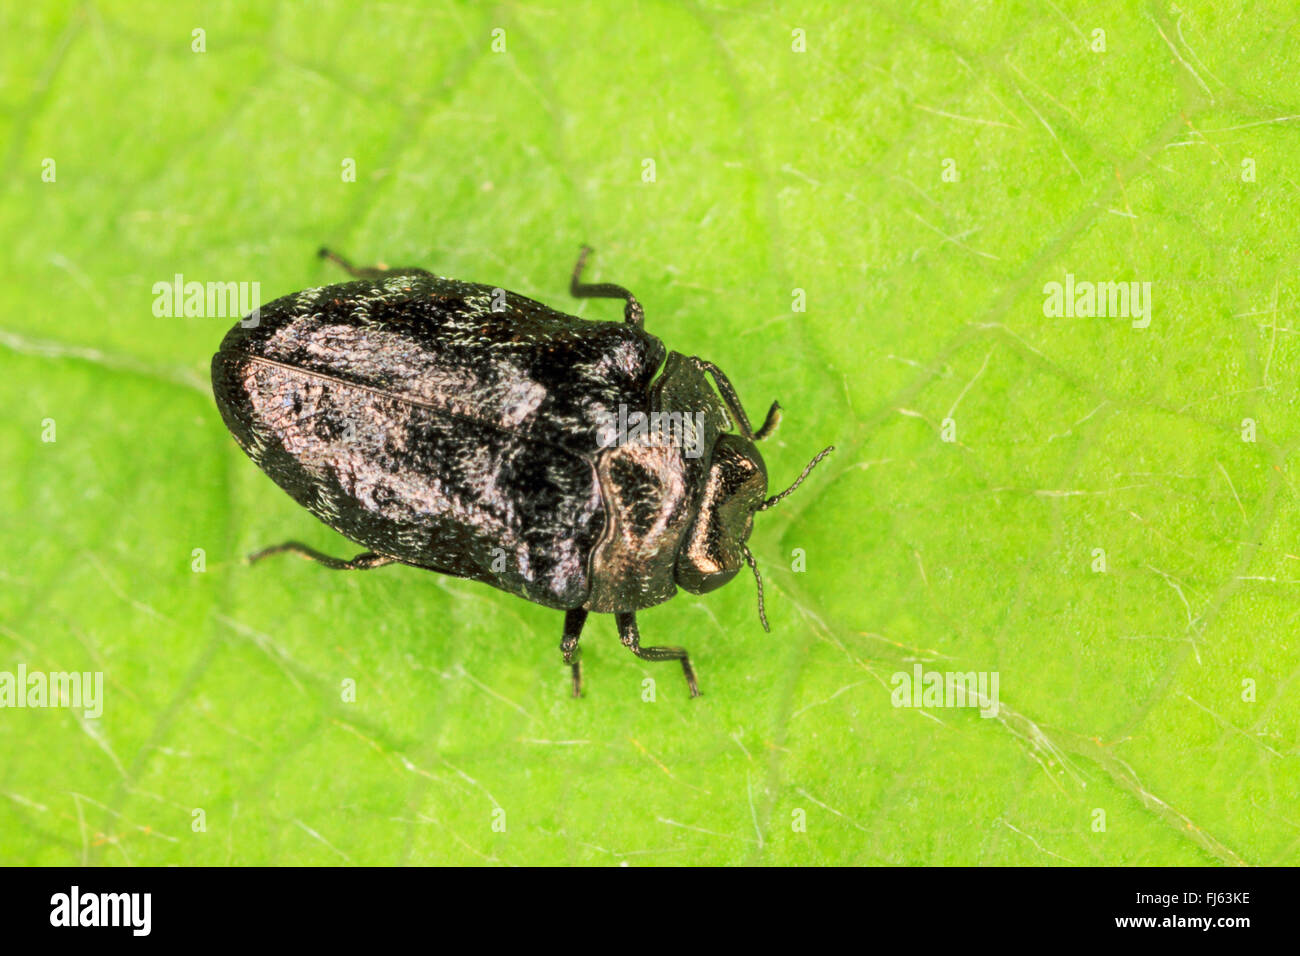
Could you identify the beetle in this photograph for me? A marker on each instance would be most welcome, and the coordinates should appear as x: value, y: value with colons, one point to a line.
x: 471, y: 431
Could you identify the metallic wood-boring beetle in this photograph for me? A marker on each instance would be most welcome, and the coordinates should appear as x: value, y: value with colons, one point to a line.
x: 468, y: 430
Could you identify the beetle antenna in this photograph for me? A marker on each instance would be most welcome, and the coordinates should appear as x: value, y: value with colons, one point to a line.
x: 753, y: 566
x: 776, y: 498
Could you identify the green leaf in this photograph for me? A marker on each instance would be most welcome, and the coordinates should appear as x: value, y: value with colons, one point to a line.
x: 1156, y: 694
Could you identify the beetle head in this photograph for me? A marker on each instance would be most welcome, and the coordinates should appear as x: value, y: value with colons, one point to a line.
x: 714, y: 546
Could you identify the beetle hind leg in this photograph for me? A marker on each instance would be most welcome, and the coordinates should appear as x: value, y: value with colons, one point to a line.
x: 633, y: 313
x: 631, y: 638
x: 369, y: 272
x: 362, y: 562
x: 573, y: 622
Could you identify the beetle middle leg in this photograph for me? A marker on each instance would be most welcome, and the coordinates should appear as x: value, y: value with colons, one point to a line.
x: 362, y: 562
x: 633, y: 314
x: 370, y: 272
x: 631, y: 638
x: 573, y: 622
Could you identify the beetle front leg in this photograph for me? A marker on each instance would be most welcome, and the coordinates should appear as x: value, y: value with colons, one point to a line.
x: 362, y: 562
x: 573, y: 622
x: 631, y: 638
x: 732, y: 401
x: 769, y: 424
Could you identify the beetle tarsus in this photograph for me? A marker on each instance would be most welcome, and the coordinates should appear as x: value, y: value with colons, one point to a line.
x: 362, y: 562
x: 631, y: 638
x: 360, y: 272
x: 573, y: 622
x: 769, y: 424
x: 633, y: 313
x: 369, y: 272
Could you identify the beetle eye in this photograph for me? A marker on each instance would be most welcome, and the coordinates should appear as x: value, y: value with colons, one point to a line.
x: 711, y: 582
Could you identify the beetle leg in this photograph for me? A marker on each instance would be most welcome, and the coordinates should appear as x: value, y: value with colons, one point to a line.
x: 633, y: 314
x: 769, y: 424
x: 631, y: 638
x: 732, y: 400
x: 362, y: 562
x: 370, y: 272
x: 573, y: 621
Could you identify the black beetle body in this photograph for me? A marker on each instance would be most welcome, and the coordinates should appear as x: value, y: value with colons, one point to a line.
x: 471, y: 431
